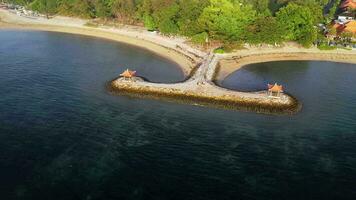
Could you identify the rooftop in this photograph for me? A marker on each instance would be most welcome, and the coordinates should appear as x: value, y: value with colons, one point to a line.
x: 349, y: 4
x: 275, y: 88
x: 346, y: 27
x: 128, y: 73
x: 351, y: 26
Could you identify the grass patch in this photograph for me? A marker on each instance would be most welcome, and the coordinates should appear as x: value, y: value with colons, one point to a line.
x: 219, y: 50
x: 200, y: 38
x: 229, y: 47
x: 326, y: 47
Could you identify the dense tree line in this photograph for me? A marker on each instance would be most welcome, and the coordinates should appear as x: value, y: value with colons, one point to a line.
x: 252, y: 21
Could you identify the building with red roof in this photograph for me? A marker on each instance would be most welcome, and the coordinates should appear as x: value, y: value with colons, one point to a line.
x: 348, y: 4
x: 348, y: 27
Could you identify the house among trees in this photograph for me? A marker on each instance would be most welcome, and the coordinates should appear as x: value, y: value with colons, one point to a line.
x: 345, y: 24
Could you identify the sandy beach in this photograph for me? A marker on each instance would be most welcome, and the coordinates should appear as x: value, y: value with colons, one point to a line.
x: 174, y: 49
x: 200, y: 86
x: 232, y: 62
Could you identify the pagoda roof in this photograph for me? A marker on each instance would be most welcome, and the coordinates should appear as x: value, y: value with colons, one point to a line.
x: 128, y: 73
x: 349, y: 4
x: 275, y: 88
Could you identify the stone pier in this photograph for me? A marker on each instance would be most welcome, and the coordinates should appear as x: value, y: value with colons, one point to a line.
x: 200, y: 89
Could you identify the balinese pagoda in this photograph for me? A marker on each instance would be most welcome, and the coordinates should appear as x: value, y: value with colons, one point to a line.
x: 128, y: 74
x: 275, y: 90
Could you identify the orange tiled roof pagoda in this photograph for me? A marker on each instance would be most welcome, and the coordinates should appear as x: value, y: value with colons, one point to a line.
x: 349, y: 4
x: 275, y: 88
x: 128, y: 73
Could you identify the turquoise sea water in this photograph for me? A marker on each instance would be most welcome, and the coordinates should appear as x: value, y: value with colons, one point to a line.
x: 63, y: 136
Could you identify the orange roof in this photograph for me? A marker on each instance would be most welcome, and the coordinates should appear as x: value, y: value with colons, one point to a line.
x: 351, y: 26
x: 275, y: 88
x: 339, y: 28
x: 349, y: 4
x: 128, y: 74
x: 348, y: 27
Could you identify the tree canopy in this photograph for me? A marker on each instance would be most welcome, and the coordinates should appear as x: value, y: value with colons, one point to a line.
x: 252, y: 21
x: 298, y: 23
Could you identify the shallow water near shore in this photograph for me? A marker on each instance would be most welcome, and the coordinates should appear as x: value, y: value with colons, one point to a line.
x: 64, y: 136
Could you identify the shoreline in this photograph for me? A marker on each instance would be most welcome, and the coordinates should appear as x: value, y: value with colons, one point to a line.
x: 233, y: 62
x: 201, y: 69
x: 176, y: 52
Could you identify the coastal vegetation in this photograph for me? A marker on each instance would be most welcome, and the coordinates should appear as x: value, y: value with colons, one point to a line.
x: 206, y: 21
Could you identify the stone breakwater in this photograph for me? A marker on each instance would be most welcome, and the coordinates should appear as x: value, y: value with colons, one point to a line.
x: 200, y: 89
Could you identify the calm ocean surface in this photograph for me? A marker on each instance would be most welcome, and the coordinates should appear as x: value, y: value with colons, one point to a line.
x: 63, y: 136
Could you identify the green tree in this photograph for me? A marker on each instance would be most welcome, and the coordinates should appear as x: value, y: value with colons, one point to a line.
x: 227, y: 20
x: 261, y: 6
x: 102, y: 8
x: 200, y: 38
x: 189, y: 12
x: 265, y: 30
x: 166, y: 17
x: 124, y: 10
x: 315, y: 6
x: 230, y: 21
x: 80, y: 8
x: 298, y: 23
x: 149, y: 23
x: 44, y: 6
